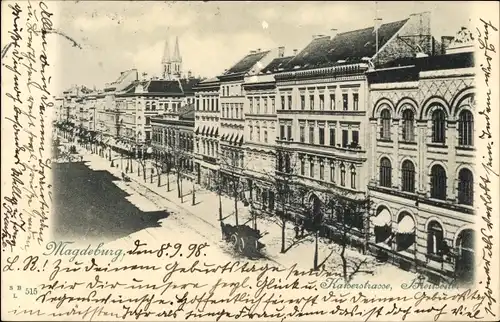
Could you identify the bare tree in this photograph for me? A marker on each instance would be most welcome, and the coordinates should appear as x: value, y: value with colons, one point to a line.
x: 347, y: 214
x: 179, y: 154
x: 232, y: 164
x: 288, y: 191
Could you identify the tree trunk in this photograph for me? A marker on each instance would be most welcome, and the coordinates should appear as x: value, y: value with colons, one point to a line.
x: 168, y: 181
x: 158, y: 170
x: 316, y: 255
x: 283, y: 227
x: 236, y: 205
x: 194, y: 196
x: 344, y: 263
x: 179, y: 194
x: 144, y: 172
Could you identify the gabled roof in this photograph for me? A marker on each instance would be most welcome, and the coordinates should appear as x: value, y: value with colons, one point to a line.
x: 350, y: 46
x: 276, y: 65
x: 246, y: 64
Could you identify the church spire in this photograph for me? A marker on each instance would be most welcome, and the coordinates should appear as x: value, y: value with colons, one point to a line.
x: 166, y: 53
x: 177, y: 54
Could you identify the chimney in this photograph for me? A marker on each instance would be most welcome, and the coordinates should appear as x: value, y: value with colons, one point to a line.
x: 281, y: 52
x: 258, y: 50
x: 190, y: 74
x: 252, y: 52
x: 295, y: 52
x: 333, y: 33
x: 445, y: 43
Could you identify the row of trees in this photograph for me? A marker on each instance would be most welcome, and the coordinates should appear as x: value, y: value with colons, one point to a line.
x: 335, y: 208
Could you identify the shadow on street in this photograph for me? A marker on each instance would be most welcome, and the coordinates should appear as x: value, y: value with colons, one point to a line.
x: 87, y: 204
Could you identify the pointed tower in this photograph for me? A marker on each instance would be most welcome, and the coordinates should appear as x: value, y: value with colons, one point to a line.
x: 177, y: 60
x: 166, y: 63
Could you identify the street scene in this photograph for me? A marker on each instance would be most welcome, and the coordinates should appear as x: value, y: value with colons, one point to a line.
x: 353, y: 153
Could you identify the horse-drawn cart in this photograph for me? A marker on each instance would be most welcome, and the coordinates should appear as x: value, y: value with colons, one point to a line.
x: 244, y: 238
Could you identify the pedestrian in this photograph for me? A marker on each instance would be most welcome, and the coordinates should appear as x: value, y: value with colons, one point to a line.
x: 302, y: 230
x: 296, y: 228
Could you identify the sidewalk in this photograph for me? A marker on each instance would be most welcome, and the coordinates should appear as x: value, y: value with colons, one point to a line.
x: 300, y: 252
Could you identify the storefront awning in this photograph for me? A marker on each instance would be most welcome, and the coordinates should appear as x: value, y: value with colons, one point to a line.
x: 382, y: 219
x: 231, y: 138
x: 406, y: 225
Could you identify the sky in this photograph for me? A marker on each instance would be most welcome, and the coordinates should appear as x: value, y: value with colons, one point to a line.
x: 120, y: 35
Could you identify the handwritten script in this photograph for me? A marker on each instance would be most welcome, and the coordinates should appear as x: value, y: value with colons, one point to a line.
x: 487, y: 163
x: 26, y: 107
x: 143, y: 287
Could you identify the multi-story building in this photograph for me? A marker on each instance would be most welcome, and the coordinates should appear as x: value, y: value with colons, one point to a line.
x: 207, y: 114
x: 173, y: 140
x: 323, y: 108
x: 421, y: 161
x: 260, y: 132
x: 232, y: 118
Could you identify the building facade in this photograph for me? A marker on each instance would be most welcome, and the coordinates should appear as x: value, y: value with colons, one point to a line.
x: 231, y: 157
x: 260, y: 133
x: 422, y: 163
x: 207, y: 116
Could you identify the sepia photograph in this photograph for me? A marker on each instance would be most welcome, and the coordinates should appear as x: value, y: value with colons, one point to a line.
x: 250, y: 160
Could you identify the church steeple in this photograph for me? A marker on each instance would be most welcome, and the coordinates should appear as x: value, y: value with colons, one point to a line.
x: 166, y: 61
x: 177, y: 60
x: 171, y: 66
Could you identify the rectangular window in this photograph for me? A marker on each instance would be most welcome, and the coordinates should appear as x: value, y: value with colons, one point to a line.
x: 257, y: 105
x: 148, y: 120
x: 290, y: 102
x: 237, y: 114
x: 265, y: 136
x: 332, y: 172
x: 311, y: 135
x: 355, y: 99
x: 332, y: 136
x: 198, y: 104
x: 251, y: 105
x: 321, y: 102
x: 345, y: 138
x: 332, y: 102
x: 302, y: 134
x: 283, y: 102
x: 273, y: 105
x: 302, y: 167
x: 302, y: 102
x: 321, y: 171
x: 282, y: 132
x: 311, y: 169
x: 345, y: 99
x: 355, y: 138
x: 289, y: 132
x: 311, y: 102
x: 265, y: 105
x: 321, y: 136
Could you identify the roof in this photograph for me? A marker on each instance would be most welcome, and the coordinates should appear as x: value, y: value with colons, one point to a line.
x: 246, y: 64
x: 188, y: 84
x: 164, y: 86
x: 350, y: 46
x: 408, y: 69
x: 186, y: 112
x: 276, y: 65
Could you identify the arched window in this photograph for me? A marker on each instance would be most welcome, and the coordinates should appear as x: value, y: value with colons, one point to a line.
x: 434, y: 238
x: 408, y: 176
x: 465, y: 187
x: 342, y: 175
x: 438, y: 182
x: 385, y: 172
x: 385, y: 126
x: 353, y: 177
x: 408, y: 126
x: 465, y: 128
x: 438, y: 126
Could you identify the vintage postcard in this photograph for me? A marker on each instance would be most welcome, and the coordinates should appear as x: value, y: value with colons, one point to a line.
x: 250, y: 160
